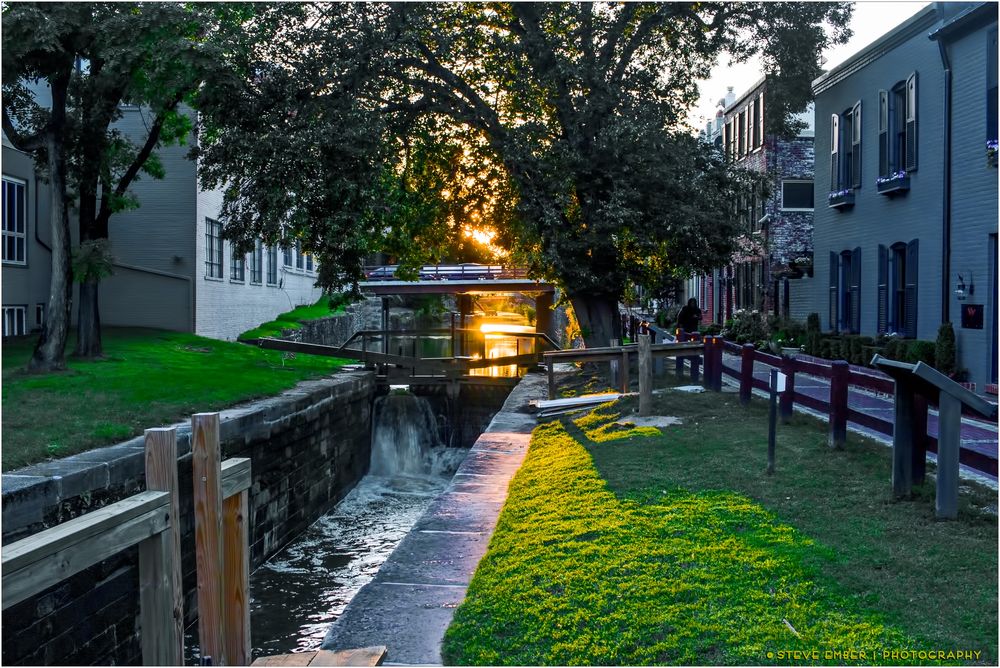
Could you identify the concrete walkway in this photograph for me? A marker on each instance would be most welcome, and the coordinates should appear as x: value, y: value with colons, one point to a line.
x: 410, y: 603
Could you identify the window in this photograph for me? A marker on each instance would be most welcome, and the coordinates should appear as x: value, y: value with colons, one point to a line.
x: 309, y: 262
x: 287, y: 256
x: 298, y: 255
x: 742, y: 130
x: 845, y: 149
x: 257, y: 263
x: 213, y: 248
x: 272, y: 265
x: 991, y: 86
x: 237, y: 265
x: 797, y: 196
x: 897, y: 288
x: 897, y: 128
x: 39, y: 314
x: 14, y: 238
x: 14, y: 320
x: 845, y: 291
x: 760, y: 118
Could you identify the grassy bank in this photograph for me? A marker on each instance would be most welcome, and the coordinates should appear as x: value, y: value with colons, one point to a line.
x: 292, y: 319
x: 148, y: 378
x: 622, y: 545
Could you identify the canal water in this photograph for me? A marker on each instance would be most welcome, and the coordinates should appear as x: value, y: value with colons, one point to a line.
x: 303, y: 589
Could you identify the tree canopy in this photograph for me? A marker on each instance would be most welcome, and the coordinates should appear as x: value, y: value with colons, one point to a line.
x: 559, y: 125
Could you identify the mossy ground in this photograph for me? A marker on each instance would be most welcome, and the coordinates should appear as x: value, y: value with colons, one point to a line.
x: 148, y: 378
x: 623, y: 545
x: 292, y: 319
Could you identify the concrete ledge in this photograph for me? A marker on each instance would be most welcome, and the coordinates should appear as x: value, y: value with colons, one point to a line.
x: 410, y: 603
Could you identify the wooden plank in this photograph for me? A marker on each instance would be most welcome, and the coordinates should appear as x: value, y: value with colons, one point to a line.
x: 235, y: 476
x: 38, y: 574
x: 79, y: 530
x: 208, y: 532
x: 870, y: 382
x: 162, y: 642
x: 296, y: 659
x: 236, y: 574
x: 365, y: 656
x: 161, y: 476
x: 812, y: 368
x: 645, y: 376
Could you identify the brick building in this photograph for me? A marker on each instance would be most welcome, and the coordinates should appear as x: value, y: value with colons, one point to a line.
x: 775, y: 247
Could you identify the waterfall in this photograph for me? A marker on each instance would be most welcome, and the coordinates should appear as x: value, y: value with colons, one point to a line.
x: 405, y: 437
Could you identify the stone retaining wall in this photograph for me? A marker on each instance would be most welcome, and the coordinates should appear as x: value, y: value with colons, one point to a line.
x: 309, y: 446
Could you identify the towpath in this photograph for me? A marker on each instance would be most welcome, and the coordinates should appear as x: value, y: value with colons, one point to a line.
x: 410, y: 603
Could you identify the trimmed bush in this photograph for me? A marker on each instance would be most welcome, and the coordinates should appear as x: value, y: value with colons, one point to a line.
x: 812, y: 335
x: 944, y: 349
x: 920, y: 351
x: 891, y: 349
x: 857, y: 353
x: 826, y: 348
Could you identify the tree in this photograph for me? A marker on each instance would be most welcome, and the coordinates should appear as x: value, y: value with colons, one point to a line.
x: 92, y: 58
x: 579, y: 106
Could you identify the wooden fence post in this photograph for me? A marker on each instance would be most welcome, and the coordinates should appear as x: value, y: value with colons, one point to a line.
x: 695, y: 362
x: 625, y: 371
x: 787, y: 400
x: 718, y: 345
x: 645, y: 376
x: 615, y: 378
x: 680, y: 337
x: 236, y: 579
x: 206, y: 466
x: 839, y: 371
x: 919, y: 428
x: 162, y: 619
x: 746, y: 373
x: 709, y: 373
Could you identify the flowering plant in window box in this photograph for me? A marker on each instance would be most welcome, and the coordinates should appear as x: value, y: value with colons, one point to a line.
x: 839, y: 199
x: 893, y: 183
x: 991, y: 152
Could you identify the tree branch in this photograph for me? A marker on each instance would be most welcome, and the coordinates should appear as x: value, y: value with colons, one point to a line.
x: 25, y: 144
x: 147, y: 149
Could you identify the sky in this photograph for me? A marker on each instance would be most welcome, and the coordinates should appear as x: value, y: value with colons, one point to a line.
x: 870, y: 21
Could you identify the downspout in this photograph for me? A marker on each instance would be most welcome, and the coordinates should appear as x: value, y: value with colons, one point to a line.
x: 946, y: 193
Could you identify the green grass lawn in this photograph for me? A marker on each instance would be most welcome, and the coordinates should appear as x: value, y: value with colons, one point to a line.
x: 291, y: 319
x: 148, y: 378
x: 622, y: 545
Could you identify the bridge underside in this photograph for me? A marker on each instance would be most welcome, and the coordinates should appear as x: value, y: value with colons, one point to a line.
x: 446, y: 287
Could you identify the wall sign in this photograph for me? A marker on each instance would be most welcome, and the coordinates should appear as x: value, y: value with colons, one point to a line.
x: 972, y: 316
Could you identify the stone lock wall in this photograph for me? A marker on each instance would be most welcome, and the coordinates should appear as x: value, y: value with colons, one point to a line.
x: 308, y: 446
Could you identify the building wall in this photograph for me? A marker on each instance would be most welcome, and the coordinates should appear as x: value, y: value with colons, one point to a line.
x: 224, y: 308
x: 28, y: 284
x: 878, y: 219
x: 974, y: 205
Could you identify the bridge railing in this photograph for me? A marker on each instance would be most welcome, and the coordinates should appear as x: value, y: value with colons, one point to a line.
x: 445, y: 272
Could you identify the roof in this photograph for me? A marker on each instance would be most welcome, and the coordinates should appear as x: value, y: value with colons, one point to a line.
x: 749, y: 91
x: 915, y: 25
x: 972, y: 18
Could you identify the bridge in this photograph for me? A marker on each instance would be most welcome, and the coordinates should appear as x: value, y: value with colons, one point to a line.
x: 454, y: 279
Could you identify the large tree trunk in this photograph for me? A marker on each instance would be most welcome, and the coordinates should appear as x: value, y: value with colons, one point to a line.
x: 88, y: 322
x: 49, y: 353
x: 598, y: 317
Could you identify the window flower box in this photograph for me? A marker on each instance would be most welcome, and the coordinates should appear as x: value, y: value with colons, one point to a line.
x: 897, y: 182
x: 991, y: 152
x: 840, y: 199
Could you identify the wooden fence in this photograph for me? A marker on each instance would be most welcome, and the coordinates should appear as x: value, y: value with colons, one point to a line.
x: 837, y: 409
x: 150, y: 520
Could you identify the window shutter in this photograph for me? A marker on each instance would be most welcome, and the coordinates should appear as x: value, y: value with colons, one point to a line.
x: 883, y: 289
x: 760, y: 119
x: 911, y: 123
x: 910, y: 287
x: 751, y: 128
x: 834, y: 292
x: 834, y: 152
x: 856, y: 145
x: 883, y: 133
x: 855, y: 314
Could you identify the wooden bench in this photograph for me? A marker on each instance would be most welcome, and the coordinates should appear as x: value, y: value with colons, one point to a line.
x: 365, y: 656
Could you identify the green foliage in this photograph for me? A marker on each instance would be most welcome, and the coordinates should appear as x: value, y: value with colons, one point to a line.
x: 789, y: 333
x: 147, y: 378
x: 813, y: 335
x: 92, y: 261
x: 747, y: 326
x: 919, y: 351
x: 620, y: 546
x: 826, y: 348
x: 944, y: 349
x: 323, y: 308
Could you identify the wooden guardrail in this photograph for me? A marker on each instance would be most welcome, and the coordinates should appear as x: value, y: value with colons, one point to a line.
x: 150, y: 520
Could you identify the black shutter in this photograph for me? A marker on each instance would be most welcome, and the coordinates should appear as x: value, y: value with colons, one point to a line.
x: 834, y: 152
x: 883, y: 289
x: 855, y: 314
x: 910, y: 287
x: 883, y: 133
x: 834, y: 280
x: 856, y: 145
x: 911, y: 123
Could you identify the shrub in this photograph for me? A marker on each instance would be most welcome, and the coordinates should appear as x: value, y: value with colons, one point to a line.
x: 710, y: 330
x: 748, y: 326
x: 891, y: 349
x: 826, y: 349
x: 812, y: 334
x: 920, y: 351
x: 790, y: 333
x: 857, y: 353
x: 944, y: 349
